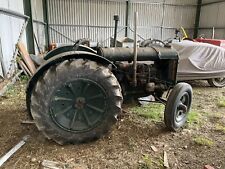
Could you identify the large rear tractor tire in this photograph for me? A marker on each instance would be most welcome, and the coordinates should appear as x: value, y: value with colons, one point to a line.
x: 178, y: 106
x: 217, y: 82
x: 76, y: 101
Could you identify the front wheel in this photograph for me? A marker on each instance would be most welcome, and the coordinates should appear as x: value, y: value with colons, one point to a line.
x: 217, y: 82
x: 178, y: 106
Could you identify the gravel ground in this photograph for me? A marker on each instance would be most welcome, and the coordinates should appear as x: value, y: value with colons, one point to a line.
x: 129, y: 144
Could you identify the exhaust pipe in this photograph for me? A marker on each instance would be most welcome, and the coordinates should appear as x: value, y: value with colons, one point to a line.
x: 135, y: 50
x: 116, y: 19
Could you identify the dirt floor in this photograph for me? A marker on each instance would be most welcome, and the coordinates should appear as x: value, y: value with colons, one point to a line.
x: 129, y: 145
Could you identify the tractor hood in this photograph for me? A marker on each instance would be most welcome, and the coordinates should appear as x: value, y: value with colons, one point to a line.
x: 153, y: 53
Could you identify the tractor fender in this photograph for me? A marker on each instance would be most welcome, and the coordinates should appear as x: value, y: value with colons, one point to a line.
x: 68, y: 48
x: 58, y: 59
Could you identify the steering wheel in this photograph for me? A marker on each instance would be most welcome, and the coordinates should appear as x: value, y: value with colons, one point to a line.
x: 150, y: 42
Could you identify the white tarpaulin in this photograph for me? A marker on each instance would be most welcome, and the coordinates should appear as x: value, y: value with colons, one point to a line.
x: 199, y: 60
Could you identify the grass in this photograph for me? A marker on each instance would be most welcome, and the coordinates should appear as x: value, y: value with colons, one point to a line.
x: 203, y: 141
x: 152, y: 111
x: 194, y: 117
x: 149, y: 163
x: 131, y: 144
x: 220, y: 128
x: 221, y: 102
x: 11, y: 90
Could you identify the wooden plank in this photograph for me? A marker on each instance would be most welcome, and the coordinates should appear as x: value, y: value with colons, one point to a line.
x: 24, y: 67
x: 46, y: 164
x: 165, y: 160
x: 27, y: 122
x: 4, y: 158
x: 26, y: 58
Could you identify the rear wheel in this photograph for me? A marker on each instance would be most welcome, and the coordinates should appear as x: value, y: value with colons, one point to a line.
x: 217, y: 82
x: 178, y: 106
x: 76, y: 101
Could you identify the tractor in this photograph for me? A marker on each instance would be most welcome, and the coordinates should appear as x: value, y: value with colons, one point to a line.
x: 77, y: 94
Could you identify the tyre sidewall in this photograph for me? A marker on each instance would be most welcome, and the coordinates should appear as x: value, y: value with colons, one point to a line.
x: 71, y: 75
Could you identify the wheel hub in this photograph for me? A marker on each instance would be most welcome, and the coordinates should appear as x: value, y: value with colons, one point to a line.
x: 78, y: 105
x: 220, y: 80
x: 182, y: 108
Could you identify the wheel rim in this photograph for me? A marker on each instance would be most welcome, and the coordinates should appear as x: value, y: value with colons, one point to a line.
x: 78, y: 105
x: 182, y: 108
x: 220, y: 81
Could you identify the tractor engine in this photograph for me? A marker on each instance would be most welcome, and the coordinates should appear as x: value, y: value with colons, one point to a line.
x: 150, y: 77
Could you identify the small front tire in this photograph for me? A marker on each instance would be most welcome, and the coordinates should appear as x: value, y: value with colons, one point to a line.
x: 178, y: 106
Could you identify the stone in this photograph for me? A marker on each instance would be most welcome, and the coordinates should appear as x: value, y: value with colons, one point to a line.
x: 33, y: 160
x: 208, y: 167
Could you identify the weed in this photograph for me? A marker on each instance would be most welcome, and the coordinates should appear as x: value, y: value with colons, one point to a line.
x: 24, y: 78
x: 203, y: 141
x: 152, y: 111
x: 146, y: 162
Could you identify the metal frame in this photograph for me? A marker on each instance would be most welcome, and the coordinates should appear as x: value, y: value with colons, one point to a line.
x: 197, y: 18
x: 13, y: 13
x: 29, y: 30
x: 210, y: 3
x: 211, y: 27
x: 45, y: 12
x: 2, y: 67
x: 157, y: 3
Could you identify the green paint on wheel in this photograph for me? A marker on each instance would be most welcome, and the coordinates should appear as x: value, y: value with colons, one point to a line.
x: 78, y: 105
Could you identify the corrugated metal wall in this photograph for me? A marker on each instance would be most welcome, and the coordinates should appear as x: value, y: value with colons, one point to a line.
x: 158, y: 19
x: 212, y: 15
x: 91, y: 19
x: 9, y: 32
x: 70, y: 20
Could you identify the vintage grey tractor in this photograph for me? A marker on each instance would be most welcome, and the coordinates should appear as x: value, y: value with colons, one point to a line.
x: 76, y: 95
